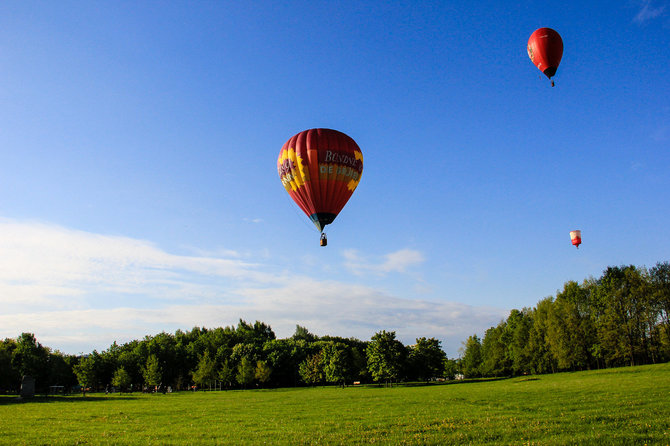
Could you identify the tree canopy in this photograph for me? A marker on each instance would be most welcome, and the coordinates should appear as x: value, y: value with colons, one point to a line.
x: 621, y: 318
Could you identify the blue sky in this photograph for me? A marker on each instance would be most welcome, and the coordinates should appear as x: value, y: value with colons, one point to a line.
x: 138, y: 147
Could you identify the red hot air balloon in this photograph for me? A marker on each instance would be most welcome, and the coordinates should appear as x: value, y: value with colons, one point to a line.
x: 320, y: 169
x: 576, y: 237
x: 545, y: 49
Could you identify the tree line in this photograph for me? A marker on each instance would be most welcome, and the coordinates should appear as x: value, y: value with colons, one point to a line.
x: 222, y: 358
x: 618, y: 319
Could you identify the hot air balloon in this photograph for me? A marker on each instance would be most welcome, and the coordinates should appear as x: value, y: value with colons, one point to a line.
x: 320, y: 169
x: 576, y: 237
x: 545, y: 49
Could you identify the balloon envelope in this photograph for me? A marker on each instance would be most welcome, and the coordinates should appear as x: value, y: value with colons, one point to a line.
x: 320, y: 169
x: 545, y: 49
x: 576, y: 237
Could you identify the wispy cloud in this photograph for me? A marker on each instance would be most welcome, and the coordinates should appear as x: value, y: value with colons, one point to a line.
x: 40, y: 264
x: 325, y: 308
x: 78, y: 291
x: 648, y: 11
x: 398, y: 261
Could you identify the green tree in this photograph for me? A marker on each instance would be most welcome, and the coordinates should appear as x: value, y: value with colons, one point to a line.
x: 427, y: 358
x: 226, y: 373
x: 86, y: 371
x: 152, y: 373
x: 121, y: 379
x: 659, y: 277
x: 311, y: 369
x: 262, y: 372
x: 335, y: 360
x: 359, y: 362
x: 471, y: 357
x: 490, y: 356
x: 10, y: 379
x: 450, y: 368
x: 386, y: 357
x: 540, y: 357
x: 131, y: 361
x: 256, y: 334
x: 245, y: 350
x: 60, y: 371
x: 31, y: 358
x: 205, y: 373
x: 245, y: 372
x: 618, y: 328
x: 304, y: 334
x: 284, y: 357
x: 571, y: 332
x: 517, y: 331
x: 170, y: 359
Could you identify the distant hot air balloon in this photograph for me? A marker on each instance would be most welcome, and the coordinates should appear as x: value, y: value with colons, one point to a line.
x: 576, y: 237
x: 320, y: 169
x: 545, y: 49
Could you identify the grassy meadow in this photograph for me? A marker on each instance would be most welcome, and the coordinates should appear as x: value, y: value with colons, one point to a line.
x: 615, y: 406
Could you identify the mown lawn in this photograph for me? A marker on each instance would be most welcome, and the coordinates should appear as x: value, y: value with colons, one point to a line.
x: 616, y: 406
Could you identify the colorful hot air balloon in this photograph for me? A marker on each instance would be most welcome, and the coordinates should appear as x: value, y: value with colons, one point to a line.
x: 545, y: 49
x: 320, y: 169
x: 576, y: 237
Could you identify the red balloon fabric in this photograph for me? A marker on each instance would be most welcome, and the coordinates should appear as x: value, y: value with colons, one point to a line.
x: 545, y: 49
x: 320, y: 169
x: 576, y: 237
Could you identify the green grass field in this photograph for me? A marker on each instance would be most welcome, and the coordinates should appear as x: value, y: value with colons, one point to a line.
x: 616, y: 406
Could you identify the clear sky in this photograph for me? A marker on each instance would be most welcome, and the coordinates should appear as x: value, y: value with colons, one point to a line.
x: 139, y: 139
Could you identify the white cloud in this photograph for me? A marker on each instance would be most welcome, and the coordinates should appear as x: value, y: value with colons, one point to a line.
x: 399, y: 261
x: 325, y: 308
x: 648, y: 11
x: 41, y: 264
x: 79, y: 291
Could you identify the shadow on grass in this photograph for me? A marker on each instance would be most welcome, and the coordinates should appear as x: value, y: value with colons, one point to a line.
x: 477, y: 380
x: 11, y: 399
x: 433, y: 383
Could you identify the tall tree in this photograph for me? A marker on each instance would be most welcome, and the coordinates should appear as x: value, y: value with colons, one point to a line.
x: 427, y: 358
x: 451, y: 368
x: 262, y: 372
x: 86, y: 371
x: 31, y: 358
x: 304, y: 334
x: 226, y: 373
x: 386, y: 357
x: 471, y: 357
x: 10, y: 378
x: 335, y: 362
x: 152, y: 373
x: 59, y: 368
x: 618, y: 326
x: 488, y: 357
x: 311, y: 369
x: 205, y: 374
x: 517, y: 329
x: 571, y: 333
x: 280, y: 357
x: 541, y: 359
x: 121, y: 379
x: 245, y: 372
x: 659, y: 276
